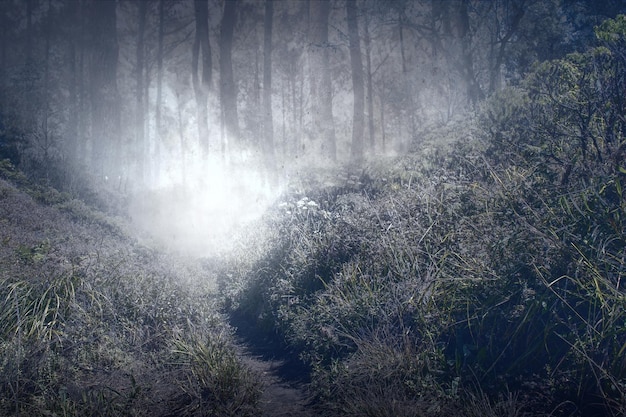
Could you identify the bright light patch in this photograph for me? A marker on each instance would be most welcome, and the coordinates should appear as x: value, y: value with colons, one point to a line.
x: 203, y: 216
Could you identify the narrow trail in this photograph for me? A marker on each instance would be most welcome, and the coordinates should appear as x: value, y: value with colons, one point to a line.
x: 281, y: 397
x: 284, y: 380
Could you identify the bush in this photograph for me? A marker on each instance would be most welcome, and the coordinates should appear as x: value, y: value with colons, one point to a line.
x: 488, y: 278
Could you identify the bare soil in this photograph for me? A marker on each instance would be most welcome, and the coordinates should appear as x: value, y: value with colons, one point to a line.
x: 285, y: 379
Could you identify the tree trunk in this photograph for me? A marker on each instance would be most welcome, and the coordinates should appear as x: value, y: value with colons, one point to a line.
x: 284, y: 123
x: 159, y: 89
x: 140, y: 139
x: 370, y: 92
x: 474, y: 92
x: 518, y: 11
x: 294, y: 113
x: 201, y: 84
x: 321, y: 83
x: 181, y: 137
x: 47, y: 134
x: 83, y: 90
x: 105, y: 100
x: 228, y: 90
x: 268, y: 124
x: 257, y: 117
x: 30, y: 5
x: 73, y: 18
x: 383, y: 132
x: 357, y: 82
x: 408, y: 113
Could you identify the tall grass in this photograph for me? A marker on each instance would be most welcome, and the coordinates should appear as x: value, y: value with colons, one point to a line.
x: 488, y: 278
x: 90, y: 321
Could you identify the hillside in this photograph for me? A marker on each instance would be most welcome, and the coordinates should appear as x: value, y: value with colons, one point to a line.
x: 478, y: 274
x: 95, y: 323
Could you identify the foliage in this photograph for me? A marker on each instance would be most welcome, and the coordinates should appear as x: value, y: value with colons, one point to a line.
x: 218, y: 380
x: 555, y: 156
x: 486, y: 280
x: 91, y: 321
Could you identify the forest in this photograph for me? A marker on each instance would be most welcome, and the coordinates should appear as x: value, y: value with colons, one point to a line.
x: 313, y: 207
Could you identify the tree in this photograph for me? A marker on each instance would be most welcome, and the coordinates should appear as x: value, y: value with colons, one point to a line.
x: 105, y: 100
x: 505, y: 28
x: 202, y: 84
x: 358, y: 117
x: 159, y: 92
x: 142, y: 10
x: 268, y: 125
x: 228, y: 90
x: 370, y: 89
x: 464, y: 34
x: 74, y: 54
x: 321, y: 86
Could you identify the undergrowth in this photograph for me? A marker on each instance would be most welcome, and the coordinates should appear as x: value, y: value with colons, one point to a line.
x: 485, y: 278
x: 93, y: 323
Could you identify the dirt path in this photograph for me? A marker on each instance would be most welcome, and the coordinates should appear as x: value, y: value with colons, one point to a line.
x: 284, y: 380
x: 281, y: 396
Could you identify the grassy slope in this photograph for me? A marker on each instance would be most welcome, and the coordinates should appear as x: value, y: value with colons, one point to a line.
x: 438, y: 284
x: 94, y: 323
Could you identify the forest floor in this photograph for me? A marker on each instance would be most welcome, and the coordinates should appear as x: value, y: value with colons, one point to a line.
x: 284, y: 380
x: 281, y: 396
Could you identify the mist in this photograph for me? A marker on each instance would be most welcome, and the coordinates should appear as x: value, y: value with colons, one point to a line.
x: 200, y: 114
x: 312, y: 207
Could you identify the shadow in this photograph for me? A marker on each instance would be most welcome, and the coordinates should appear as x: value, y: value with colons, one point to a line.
x: 269, y: 347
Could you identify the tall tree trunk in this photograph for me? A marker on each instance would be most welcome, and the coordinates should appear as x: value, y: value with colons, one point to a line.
x: 30, y: 5
x: 300, y: 107
x: 408, y: 113
x: 294, y: 113
x: 140, y: 139
x: 45, y: 138
x: 401, y: 35
x: 383, y: 131
x: 228, y: 90
x: 201, y: 84
x: 370, y: 92
x: 474, y: 92
x: 181, y: 138
x: 73, y: 18
x: 357, y: 82
x: 83, y: 90
x: 502, y: 40
x: 284, y: 121
x: 31, y: 69
x: 268, y: 123
x: 105, y: 101
x: 321, y: 83
x: 159, y: 90
x: 147, y: 139
x: 257, y: 118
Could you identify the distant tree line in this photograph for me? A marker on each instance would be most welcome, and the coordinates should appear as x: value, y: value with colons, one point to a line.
x: 137, y: 88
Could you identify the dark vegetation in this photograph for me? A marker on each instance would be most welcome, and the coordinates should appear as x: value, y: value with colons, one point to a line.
x: 479, y: 275
x: 94, y: 323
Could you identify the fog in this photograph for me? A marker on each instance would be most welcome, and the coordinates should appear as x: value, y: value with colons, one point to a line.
x: 201, y: 113
x: 204, y: 216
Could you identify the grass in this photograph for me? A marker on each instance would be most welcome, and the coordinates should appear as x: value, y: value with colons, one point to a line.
x: 465, y: 290
x: 94, y: 323
x: 467, y: 280
x: 479, y: 275
x: 218, y: 380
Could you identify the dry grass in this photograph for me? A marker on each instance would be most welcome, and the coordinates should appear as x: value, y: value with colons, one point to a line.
x: 89, y: 318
